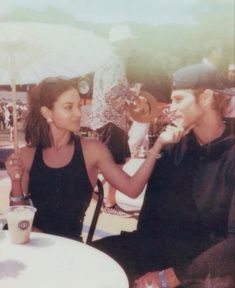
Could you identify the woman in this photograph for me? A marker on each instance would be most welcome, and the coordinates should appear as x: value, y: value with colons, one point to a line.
x: 58, y: 170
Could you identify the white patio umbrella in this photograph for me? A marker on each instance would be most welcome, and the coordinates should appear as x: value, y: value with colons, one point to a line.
x: 31, y: 51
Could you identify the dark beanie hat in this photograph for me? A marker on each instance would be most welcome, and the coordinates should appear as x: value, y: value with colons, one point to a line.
x: 197, y: 76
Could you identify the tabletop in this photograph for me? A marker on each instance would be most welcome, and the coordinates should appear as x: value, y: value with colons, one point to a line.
x: 52, y: 261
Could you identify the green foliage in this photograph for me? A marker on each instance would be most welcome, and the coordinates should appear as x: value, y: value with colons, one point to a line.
x: 161, y: 49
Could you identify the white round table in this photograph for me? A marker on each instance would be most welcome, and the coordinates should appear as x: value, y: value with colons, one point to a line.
x: 56, y: 262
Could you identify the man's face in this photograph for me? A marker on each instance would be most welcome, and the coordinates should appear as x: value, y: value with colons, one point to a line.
x: 187, y: 111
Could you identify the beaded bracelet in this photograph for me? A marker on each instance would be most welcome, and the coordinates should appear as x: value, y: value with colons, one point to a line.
x: 162, y: 279
x: 26, y: 199
x: 17, y: 198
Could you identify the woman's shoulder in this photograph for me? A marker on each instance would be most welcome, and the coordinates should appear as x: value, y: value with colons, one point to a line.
x: 91, y: 144
x: 94, y: 148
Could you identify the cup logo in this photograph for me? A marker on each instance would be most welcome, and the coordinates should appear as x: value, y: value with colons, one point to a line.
x: 23, y: 225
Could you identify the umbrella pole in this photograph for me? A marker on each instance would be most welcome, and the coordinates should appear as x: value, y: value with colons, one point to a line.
x: 13, y: 88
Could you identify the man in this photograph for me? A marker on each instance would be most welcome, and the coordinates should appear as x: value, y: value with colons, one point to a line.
x: 229, y: 112
x: 110, y: 91
x: 231, y: 76
x: 186, y: 229
x: 2, y: 117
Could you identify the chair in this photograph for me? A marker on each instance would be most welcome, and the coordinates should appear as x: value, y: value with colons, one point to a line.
x: 96, y: 212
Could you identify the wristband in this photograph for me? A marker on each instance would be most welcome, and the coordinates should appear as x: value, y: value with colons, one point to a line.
x: 17, y: 198
x: 162, y: 279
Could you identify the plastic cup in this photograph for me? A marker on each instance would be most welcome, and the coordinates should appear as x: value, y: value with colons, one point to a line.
x: 20, y: 221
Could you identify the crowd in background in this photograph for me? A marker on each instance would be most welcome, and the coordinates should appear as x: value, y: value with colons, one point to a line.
x: 6, y: 112
x: 6, y: 116
x: 138, y: 143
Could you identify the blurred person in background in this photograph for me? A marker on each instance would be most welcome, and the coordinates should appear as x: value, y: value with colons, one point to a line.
x: 110, y: 92
x: 10, y: 122
x: 230, y: 83
x: 2, y: 117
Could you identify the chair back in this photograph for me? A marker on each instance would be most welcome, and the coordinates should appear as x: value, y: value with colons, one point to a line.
x: 96, y: 212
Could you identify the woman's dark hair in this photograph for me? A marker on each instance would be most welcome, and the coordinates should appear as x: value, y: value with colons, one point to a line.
x: 46, y: 94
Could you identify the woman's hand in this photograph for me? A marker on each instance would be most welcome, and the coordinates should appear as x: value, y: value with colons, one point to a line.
x: 171, y: 134
x: 14, y: 166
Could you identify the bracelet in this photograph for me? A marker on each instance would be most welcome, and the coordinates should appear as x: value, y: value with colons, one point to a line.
x: 162, y: 279
x: 158, y: 156
x: 17, y: 198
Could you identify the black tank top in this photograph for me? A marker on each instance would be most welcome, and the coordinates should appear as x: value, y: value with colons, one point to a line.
x: 61, y: 195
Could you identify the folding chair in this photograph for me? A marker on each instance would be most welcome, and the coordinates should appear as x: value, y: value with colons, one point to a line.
x: 96, y: 212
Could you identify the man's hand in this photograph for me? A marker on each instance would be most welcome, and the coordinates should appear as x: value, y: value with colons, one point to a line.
x: 152, y: 279
x: 149, y: 279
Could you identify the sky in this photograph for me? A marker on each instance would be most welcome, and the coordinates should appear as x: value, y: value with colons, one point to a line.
x: 108, y: 11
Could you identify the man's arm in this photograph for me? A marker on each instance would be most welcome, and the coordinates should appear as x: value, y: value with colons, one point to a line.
x: 231, y: 218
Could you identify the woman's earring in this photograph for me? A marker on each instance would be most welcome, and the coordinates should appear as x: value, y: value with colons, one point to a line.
x: 49, y: 120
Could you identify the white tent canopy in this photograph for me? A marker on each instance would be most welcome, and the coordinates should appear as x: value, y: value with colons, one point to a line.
x: 31, y: 51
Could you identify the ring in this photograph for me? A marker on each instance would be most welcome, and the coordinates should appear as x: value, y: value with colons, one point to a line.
x: 150, y: 286
x: 147, y: 285
x: 10, y: 162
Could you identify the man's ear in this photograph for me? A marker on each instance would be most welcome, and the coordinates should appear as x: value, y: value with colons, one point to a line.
x: 206, y: 98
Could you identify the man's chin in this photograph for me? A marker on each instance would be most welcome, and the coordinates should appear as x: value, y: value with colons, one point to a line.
x: 188, y: 128
x: 178, y: 123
